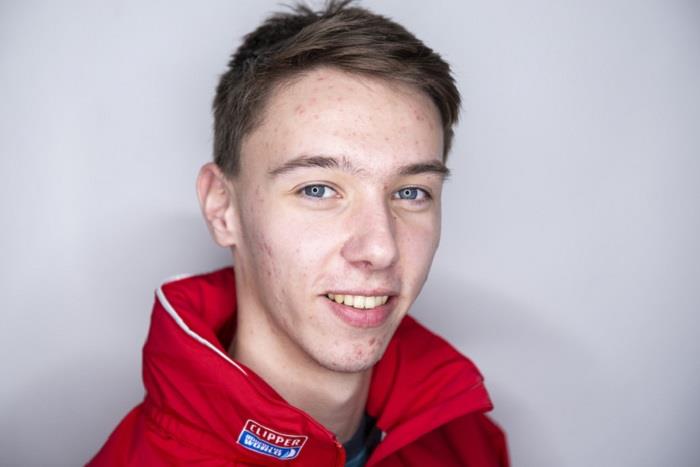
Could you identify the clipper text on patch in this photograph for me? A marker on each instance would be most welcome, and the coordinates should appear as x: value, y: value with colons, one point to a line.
x: 263, y: 440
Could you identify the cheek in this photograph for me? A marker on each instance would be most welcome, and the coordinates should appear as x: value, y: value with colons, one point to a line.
x: 260, y: 248
x: 418, y: 242
x: 294, y: 247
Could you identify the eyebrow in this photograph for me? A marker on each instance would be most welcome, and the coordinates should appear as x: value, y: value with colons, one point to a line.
x: 323, y: 162
x: 435, y: 167
x: 329, y: 162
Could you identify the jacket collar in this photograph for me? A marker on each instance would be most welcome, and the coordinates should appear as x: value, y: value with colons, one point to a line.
x: 198, y: 391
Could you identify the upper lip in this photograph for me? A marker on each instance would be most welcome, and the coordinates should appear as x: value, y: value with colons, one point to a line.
x: 366, y: 293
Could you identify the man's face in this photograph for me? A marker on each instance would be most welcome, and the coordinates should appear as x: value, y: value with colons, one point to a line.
x: 338, y: 200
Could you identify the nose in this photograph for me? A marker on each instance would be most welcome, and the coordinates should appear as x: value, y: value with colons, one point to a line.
x: 372, y: 243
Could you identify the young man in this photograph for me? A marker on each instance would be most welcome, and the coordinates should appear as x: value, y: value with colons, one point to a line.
x: 331, y: 131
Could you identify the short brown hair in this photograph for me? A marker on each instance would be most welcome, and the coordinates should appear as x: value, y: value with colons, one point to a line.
x: 347, y: 37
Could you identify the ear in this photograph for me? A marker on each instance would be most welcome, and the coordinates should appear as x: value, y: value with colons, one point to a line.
x: 216, y: 201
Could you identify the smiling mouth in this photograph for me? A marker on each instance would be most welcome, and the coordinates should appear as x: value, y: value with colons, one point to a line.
x: 361, y: 302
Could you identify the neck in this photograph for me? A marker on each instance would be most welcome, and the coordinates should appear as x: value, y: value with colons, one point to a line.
x: 335, y: 399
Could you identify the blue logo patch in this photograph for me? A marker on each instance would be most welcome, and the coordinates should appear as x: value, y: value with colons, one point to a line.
x: 263, y: 440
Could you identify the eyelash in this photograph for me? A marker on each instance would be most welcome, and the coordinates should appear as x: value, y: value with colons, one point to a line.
x: 425, y: 194
x: 303, y: 190
x: 421, y: 195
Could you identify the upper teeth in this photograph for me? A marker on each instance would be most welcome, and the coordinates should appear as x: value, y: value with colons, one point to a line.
x: 359, y: 301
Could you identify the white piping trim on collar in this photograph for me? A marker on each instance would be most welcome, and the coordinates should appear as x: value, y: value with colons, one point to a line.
x: 180, y: 322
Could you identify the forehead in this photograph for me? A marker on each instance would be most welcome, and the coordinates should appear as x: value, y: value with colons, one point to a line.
x: 376, y: 124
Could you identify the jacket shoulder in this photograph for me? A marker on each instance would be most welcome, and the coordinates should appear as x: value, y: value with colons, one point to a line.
x: 472, y: 440
x: 138, y: 442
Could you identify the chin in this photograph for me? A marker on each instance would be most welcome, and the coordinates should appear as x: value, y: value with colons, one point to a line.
x: 348, y: 367
x: 354, y: 359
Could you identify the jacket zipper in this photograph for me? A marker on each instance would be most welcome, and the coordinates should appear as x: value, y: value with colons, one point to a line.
x: 341, y: 452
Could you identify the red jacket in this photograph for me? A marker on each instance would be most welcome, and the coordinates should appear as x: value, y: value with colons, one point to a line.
x: 203, y: 408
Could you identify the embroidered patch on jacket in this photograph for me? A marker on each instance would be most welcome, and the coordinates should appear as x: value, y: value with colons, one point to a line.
x: 263, y: 440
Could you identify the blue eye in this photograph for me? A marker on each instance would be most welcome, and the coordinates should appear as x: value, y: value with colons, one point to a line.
x: 412, y: 194
x: 318, y: 191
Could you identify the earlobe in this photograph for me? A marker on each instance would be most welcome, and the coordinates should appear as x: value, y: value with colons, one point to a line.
x: 215, y: 200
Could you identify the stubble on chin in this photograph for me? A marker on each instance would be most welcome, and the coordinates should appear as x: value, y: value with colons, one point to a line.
x: 347, y: 357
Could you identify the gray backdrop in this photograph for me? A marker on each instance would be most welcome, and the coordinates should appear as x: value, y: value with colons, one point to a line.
x: 569, y: 267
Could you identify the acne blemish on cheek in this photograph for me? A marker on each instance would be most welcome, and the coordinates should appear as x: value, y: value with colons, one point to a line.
x: 372, y: 341
x: 266, y: 248
x: 299, y: 109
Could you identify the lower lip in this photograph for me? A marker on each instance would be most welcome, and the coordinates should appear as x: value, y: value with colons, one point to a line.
x: 366, y: 318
